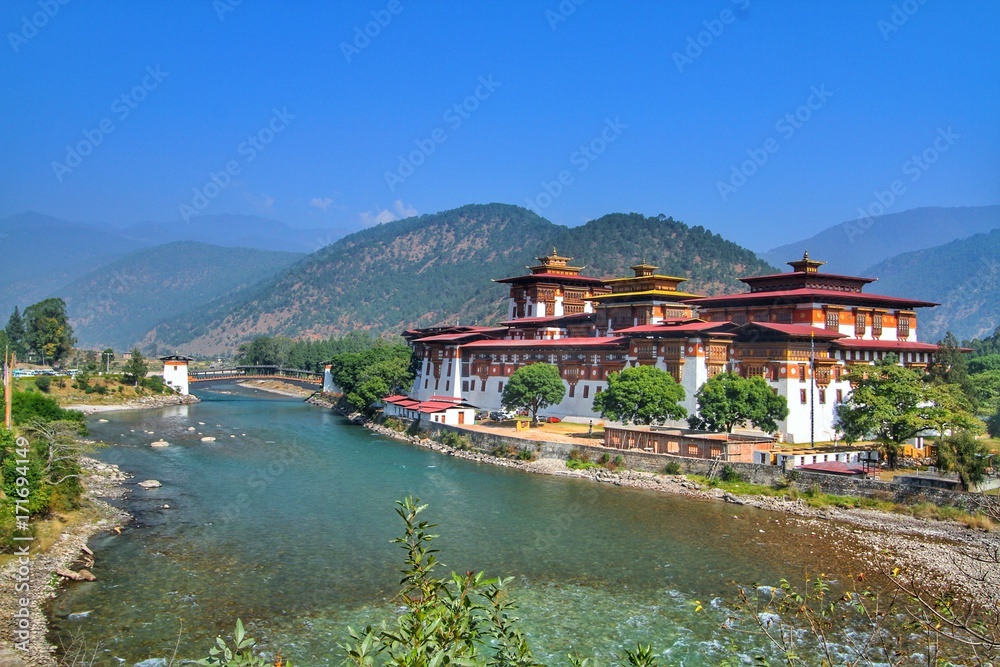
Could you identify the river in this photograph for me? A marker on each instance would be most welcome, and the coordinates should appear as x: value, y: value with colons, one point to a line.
x: 285, y: 521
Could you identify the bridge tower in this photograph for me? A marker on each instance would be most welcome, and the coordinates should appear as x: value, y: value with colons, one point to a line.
x: 175, y: 372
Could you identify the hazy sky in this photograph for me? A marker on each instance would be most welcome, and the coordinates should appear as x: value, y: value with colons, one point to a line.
x: 764, y: 121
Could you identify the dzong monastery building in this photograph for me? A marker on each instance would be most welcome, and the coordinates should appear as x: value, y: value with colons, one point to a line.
x: 801, y: 330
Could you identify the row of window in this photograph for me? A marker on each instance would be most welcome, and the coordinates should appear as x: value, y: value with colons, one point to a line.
x: 820, y: 394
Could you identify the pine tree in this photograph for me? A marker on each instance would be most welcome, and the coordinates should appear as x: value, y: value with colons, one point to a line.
x: 16, y: 334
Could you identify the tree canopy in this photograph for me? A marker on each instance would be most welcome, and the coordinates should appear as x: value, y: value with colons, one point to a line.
x: 641, y: 395
x: 368, y: 376
x: 966, y: 456
x: 48, y: 332
x: 727, y: 400
x: 891, y: 404
x: 533, y: 387
x: 135, y: 368
x: 16, y: 334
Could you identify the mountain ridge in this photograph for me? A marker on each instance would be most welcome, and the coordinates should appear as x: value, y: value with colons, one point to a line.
x: 438, y: 268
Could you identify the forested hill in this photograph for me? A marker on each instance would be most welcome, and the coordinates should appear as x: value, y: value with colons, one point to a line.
x: 438, y: 268
x: 963, y: 276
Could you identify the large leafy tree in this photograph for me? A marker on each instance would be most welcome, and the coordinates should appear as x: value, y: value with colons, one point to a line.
x: 888, y: 403
x: 966, y: 456
x: 47, y: 330
x: 641, y: 395
x: 727, y: 400
x: 369, y: 376
x: 135, y: 368
x: 950, y: 366
x: 533, y: 387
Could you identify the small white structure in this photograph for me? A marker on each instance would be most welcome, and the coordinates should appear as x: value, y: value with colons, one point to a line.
x: 437, y: 409
x: 175, y: 372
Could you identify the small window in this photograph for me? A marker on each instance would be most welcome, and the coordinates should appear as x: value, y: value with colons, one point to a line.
x: 822, y: 396
x: 840, y: 396
x: 802, y: 396
x: 586, y: 391
x: 500, y: 387
x: 832, y: 320
x: 860, y: 324
x: 572, y: 389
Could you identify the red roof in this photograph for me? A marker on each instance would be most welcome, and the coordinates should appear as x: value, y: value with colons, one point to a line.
x: 903, y: 345
x: 614, y: 341
x: 457, y: 337
x: 815, y: 295
x: 803, y: 330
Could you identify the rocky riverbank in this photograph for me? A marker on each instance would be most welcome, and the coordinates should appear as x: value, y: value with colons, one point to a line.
x: 144, y: 403
x: 45, y: 572
x: 937, y: 553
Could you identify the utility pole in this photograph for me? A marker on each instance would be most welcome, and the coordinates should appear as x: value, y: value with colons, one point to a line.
x: 8, y: 385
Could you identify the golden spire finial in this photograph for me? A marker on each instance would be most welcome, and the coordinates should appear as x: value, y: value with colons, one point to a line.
x: 554, y: 253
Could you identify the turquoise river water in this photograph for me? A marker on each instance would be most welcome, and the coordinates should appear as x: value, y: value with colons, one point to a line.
x: 287, y: 526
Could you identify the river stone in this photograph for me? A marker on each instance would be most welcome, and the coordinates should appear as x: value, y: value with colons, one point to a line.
x: 10, y: 658
x: 150, y: 484
x: 208, y: 438
x: 159, y: 443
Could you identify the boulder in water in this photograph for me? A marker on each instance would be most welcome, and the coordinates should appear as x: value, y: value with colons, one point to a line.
x: 208, y: 438
x: 159, y: 443
x: 150, y: 484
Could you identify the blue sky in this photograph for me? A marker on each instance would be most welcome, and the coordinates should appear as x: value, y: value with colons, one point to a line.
x: 763, y: 121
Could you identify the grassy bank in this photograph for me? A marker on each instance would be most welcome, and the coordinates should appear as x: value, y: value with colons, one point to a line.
x: 815, y: 498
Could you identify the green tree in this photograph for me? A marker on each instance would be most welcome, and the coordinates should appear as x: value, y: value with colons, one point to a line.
x: 951, y: 409
x: 986, y: 391
x: 135, y: 368
x: 534, y: 387
x: 48, y: 332
x: 728, y: 400
x: 993, y: 425
x: 16, y: 334
x: 889, y: 404
x: 263, y: 351
x: 965, y: 455
x: 369, y: 376
x: 641, y: 395
x: 950, y: 366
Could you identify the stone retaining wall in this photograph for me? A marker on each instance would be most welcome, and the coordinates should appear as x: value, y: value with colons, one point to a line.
x: 752, y: 472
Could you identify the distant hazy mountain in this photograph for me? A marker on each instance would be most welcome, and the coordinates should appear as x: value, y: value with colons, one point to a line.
x: 41, y: 254
x: 437, y: 269
x: 117, y: 304
x: 963, y: 276
x: 853, y: 246
x: 234, y: 231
